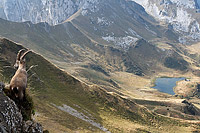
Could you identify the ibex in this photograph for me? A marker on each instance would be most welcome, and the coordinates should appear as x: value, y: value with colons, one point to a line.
x: 18, y: 82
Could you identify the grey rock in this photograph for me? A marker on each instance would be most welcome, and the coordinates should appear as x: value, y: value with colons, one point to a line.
x: 32, y: 127
x: 11, y: 120
x: 51, y: 11
x: 182, y: 15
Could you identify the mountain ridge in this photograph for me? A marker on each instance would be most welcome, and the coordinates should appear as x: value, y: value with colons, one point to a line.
x: 181, y: 15
x: 107, y: 55
x: 53, y: 12
x: 183, y: 18
x: 91, y: 46
x: 54, y: 90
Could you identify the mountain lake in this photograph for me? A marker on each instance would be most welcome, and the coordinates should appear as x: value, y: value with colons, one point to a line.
x: 166, y: 85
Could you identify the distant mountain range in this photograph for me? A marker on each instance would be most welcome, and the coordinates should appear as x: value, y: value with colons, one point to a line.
x: 112, y: 50
x: 52, y: 12
x: 178, y: 15
x: 181, y: 15
x: 107, y: 34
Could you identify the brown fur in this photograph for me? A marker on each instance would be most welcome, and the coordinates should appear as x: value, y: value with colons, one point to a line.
x: 18, y: 82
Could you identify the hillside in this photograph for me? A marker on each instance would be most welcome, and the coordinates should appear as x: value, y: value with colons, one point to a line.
x: 72, y: 50
x: 63, y: 101
x: 98, y: 39
x: 107, y: 56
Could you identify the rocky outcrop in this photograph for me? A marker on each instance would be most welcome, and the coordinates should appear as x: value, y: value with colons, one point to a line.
x: 11, y: 120
x: 31, y: 127
x: 181, y: 15
x: 188, y: 88
x: 189, y: 108
x: 10, y: 117
x: 52, y: 12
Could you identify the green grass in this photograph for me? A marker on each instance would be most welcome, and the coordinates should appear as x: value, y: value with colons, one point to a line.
x: 50, y: 86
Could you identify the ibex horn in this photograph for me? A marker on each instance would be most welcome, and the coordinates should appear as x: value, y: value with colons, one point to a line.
x: 19, y: 54
x: 22, y: 57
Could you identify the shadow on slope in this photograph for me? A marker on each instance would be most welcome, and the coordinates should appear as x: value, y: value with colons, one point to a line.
x: 55, y: 91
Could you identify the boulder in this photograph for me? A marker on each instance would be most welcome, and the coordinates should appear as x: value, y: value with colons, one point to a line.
x: 11, y: 120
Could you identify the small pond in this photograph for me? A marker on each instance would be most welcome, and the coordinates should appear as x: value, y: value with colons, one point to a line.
x: 166, y: 85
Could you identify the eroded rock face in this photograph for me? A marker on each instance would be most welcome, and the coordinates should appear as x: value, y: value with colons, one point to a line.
x: 32, y: 127
x: 51, y: 11
x: 189, y: 108
x: 181, y: 15
x: 11, y: 119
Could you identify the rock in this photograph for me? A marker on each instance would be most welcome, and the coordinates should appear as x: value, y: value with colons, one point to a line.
x: 2, y: 85
x: 179, y: 14
x: 32, y: 127
x: 52, y: 12
x: 11, y: 119
x: 189, y: 108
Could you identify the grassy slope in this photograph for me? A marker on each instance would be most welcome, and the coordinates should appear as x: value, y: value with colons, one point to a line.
x: 51, y: 85
x: 119, y: 20
x: 68, y: 46
x: 54, y: 86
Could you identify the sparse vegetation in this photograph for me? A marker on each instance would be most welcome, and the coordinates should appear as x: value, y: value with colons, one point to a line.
x: 114, y: 75
x: 174, y: 63
x: 50, y: 85
x: 27, y: 106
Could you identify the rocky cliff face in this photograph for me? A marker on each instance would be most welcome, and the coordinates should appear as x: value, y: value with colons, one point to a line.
x: 181, y: 15
x: 52, y: 12
x: 11, y: 119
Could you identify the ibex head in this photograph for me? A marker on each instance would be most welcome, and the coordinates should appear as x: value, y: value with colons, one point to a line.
x: 20, y: 60
x: 16, y: 65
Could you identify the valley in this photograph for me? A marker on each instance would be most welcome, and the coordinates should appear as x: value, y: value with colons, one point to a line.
x: 143, y: 108
x: 97, y: 62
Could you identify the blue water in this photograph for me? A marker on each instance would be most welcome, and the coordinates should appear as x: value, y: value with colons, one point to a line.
x: 166, y: 85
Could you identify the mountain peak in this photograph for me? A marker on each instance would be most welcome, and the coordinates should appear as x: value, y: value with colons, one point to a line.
x: 181, y: 14
x: 52, y: 12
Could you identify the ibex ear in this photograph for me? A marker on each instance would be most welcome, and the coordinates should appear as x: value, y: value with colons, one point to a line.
x: 22, y: 58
